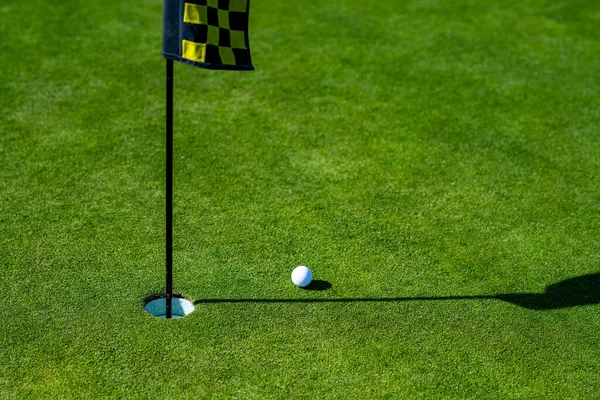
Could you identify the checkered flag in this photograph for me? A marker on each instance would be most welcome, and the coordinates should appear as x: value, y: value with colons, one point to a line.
x: 207, y: 33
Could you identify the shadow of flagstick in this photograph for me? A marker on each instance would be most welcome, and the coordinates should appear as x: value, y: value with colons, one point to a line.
x: 577, y: 291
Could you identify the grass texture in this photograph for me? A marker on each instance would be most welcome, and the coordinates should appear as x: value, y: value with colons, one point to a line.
x: 401, y: 150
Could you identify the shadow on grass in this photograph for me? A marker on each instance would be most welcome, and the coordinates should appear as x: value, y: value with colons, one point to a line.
x: 578, y: 291
x: 318, y: 285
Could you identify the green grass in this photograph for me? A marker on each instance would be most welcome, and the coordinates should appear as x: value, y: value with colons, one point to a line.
x: 399, y: 149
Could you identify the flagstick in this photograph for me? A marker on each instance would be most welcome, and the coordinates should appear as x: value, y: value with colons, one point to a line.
x: 169, y: 191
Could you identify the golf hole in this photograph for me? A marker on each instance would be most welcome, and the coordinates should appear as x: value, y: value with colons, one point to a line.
x: 158, y: 307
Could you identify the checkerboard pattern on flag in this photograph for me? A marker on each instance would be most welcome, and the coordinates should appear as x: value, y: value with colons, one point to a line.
x: 207, y: 33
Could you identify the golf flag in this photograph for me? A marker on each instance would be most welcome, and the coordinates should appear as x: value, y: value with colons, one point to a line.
x: 207, y: 33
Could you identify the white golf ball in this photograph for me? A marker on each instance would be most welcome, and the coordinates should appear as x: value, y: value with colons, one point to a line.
x: 301, y: 276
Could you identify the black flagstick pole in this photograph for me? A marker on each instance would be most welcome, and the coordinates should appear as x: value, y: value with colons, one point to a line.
x: 169, y: 236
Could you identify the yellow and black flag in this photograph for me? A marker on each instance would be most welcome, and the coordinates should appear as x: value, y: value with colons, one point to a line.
x: 207, y: 33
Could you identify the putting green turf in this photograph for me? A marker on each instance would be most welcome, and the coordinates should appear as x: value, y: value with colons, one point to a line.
x: 402, y: 150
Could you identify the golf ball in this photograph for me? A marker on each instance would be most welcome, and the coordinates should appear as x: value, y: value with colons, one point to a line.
x: 301, y: 276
